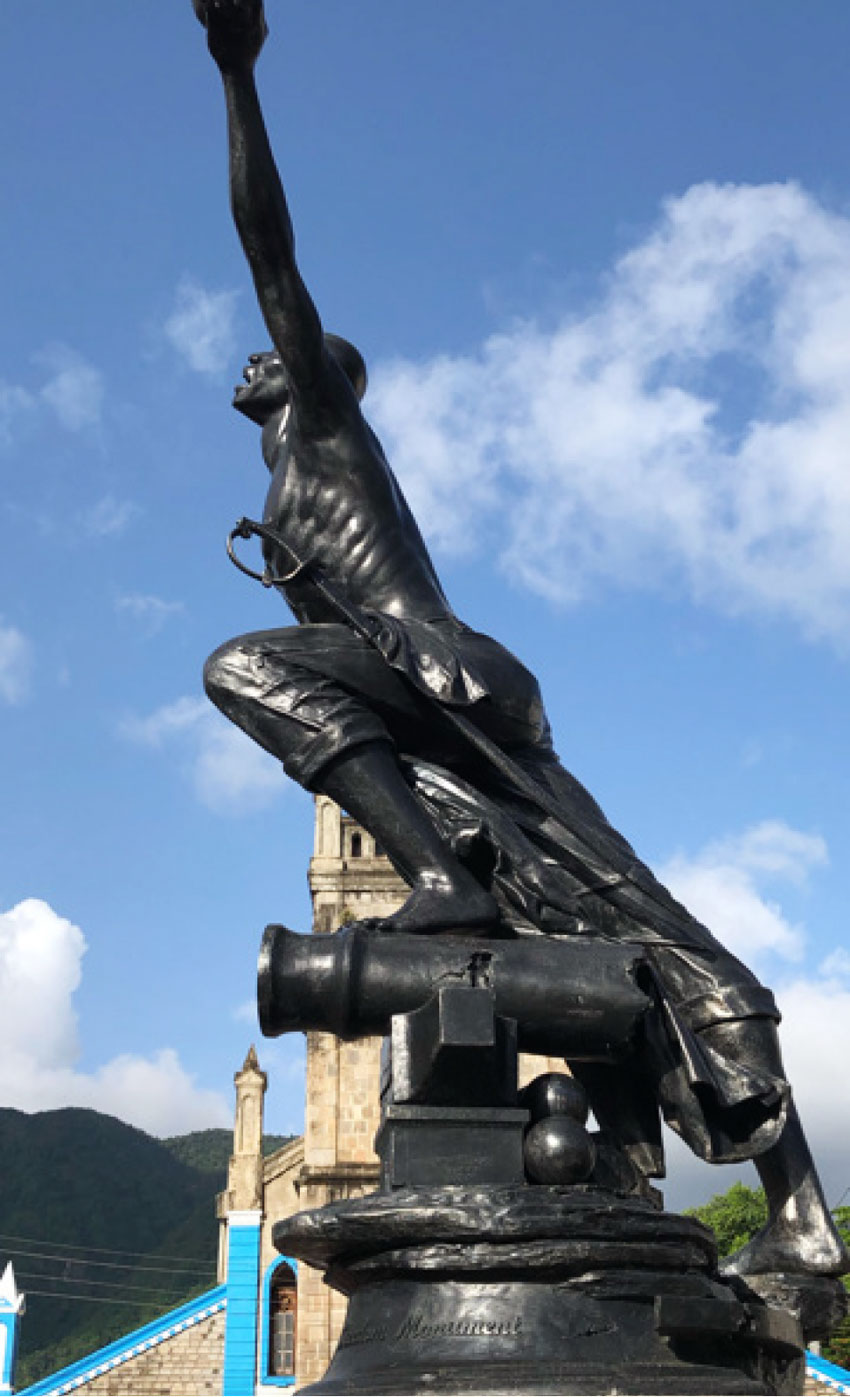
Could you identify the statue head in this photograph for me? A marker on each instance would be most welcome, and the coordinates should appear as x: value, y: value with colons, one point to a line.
x: 265, y: 390
x: 351, y: 362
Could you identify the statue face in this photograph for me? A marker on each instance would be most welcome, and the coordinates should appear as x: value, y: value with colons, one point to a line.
x: 265, y: 390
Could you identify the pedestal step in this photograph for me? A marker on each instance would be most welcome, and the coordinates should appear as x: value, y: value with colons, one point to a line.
x: 535, y: 1289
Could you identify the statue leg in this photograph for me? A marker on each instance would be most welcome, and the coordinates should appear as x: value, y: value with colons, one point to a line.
x: 624, y: 1101
x: 368, y: 783
x: 800, y: 1235
x: 282, y: 688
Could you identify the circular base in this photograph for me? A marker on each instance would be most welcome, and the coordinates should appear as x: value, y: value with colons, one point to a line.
x: 570, y: 1227
x: 542, y: 1379
x: 526, y: 1337
x: 534, y: 1290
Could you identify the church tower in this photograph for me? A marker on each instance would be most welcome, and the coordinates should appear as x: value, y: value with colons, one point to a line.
x: 240, y: 1209
x: 349, y: 879
x: 245, y: 1173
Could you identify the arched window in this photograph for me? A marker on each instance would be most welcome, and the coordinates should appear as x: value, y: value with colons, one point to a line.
x: 283, y: 1305
x: 356, y: 845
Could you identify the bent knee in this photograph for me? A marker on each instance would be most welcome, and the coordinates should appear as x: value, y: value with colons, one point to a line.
x: 225, y: 671
x: 249, y: 667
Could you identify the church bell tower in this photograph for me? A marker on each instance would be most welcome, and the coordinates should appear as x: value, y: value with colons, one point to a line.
x: 350, y: 879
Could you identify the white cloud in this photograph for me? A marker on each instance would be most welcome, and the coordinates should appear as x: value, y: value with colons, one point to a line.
x: 720, y: 885
x: 157, y: 1094
x: 230, y: 773
x: 74, y: 389
x: 836, y: 966
x: 691, y: 426
x: 246, y: 1012
x: 200, y: 328
x: 183, y: 715
x: 151, y: 612
x: 285, y: 1061
x: 724, y: 886
x: 752, y: 753
x: 14, y: 403
x: 41, y: 957
x: 815, y: 1039
x: 15, y: 664
x: 772, y: 848
x: 109, y: 517
x: 815, y: 1036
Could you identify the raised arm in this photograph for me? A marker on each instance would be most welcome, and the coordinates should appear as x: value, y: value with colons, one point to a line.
x: 236, y: 31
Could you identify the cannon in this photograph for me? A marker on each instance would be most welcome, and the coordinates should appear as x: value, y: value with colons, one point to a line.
x: 583, y: 1000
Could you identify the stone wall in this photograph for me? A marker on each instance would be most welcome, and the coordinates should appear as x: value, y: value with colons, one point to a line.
x: 349, y: 878
x: 189, y: 1364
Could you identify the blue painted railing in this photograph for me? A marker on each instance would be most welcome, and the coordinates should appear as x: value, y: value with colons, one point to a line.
x: 828, y: 1373
x: 129, y: 1345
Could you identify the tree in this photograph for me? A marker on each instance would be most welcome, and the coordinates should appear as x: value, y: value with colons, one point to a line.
x: 735, y: 1215
x: 837, y: 1350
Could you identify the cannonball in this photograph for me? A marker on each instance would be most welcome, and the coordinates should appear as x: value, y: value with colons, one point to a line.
x: 558, y: 1150
x: 554, y: 1094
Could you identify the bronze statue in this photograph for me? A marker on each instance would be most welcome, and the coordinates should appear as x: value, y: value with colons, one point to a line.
x: 436, y: 739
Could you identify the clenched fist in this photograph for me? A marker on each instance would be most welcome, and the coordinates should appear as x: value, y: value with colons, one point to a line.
x: 236, y: 31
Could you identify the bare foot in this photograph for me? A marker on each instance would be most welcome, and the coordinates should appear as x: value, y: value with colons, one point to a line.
x: 782, y: 1246
x: 443, y: 904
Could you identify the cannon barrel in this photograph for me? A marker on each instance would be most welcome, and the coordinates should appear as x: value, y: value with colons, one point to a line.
x: 570, y: 998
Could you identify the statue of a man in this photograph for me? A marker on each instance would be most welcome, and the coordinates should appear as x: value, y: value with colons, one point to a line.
x: 436, y: 739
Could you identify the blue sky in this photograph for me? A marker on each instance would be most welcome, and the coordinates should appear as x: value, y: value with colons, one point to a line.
x: 598, y: 259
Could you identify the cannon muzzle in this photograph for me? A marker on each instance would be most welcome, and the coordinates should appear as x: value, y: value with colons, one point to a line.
x: 570, y: 998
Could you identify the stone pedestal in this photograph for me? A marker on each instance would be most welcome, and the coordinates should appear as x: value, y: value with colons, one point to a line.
x: 535, y: 1289
x: 418, y: 1145
x: 505, y: 1251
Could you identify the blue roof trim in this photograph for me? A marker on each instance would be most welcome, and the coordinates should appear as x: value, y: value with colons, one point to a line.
x: 121, y: 1350
x: 830, y: 1373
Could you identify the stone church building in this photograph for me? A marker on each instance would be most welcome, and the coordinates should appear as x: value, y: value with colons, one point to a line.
x: 298, y: 1317
x: 269, y: 1323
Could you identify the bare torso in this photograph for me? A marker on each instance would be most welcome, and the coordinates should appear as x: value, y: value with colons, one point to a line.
x: 335, y: 501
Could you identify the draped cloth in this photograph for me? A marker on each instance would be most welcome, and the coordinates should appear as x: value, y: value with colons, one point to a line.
x: 310, y: 692
x: 723, y: 1109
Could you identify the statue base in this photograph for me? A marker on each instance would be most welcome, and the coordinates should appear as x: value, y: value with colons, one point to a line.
x: 535, y: 1289
x: 818, y: 1303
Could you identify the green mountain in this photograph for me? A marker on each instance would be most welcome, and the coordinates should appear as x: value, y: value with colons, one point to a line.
x: 106, y: 1226
x: 209, y: 1150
